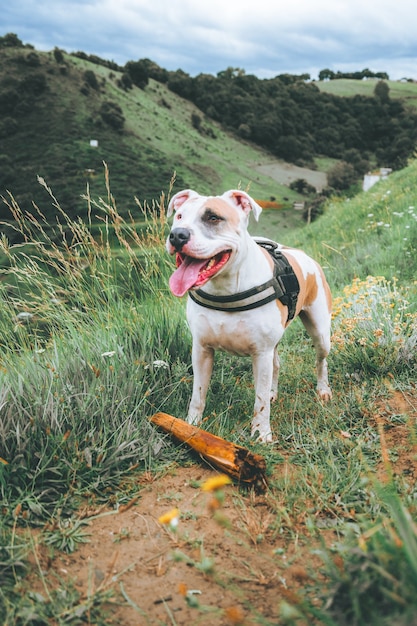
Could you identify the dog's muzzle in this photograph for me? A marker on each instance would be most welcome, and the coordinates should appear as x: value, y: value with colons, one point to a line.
x: 178, y: 237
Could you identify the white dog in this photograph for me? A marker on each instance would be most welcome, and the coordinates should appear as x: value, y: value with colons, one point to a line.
x: 253, y: 288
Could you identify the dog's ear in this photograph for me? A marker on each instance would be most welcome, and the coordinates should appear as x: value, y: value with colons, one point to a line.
x: 244, y: 201
x: 179, y: 199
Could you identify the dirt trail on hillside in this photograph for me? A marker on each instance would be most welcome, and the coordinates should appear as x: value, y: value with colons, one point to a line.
x: 285, y: 173
x: 226, y: 563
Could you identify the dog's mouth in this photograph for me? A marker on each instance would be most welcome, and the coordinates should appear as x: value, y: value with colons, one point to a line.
x: 192, y: 273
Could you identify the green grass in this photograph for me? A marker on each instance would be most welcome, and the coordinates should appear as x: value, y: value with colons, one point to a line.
x: 52, y: 140
x: 93, y: 343
x: 346, y: 87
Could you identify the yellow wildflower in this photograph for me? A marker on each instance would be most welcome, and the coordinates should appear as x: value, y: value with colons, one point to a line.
x: 216, y: 482
x: 170, y: 518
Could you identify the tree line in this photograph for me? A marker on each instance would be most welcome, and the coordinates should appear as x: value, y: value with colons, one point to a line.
x: 288, y: 115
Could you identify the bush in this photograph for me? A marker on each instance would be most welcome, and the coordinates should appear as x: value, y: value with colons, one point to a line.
x: 300, y: 185
x: 125, y: 82
x: 196, y: 121
x: 34, y: 84
x: 91, y: 79
x: 58, y: 55
x: 342, y: 176
x: 112, y: 114
x: 33, y: 59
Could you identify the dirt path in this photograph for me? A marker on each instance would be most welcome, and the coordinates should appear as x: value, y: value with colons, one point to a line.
x: 225, y: 563
x: 221, y: 565
x: 285, y: 173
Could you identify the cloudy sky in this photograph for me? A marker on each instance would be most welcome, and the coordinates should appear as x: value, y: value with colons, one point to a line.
x: 263, y: 37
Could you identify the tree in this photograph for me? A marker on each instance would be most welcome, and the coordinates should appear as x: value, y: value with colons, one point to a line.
x: 10, y: 41
x: 138, y: 72
x: 342, y: 176
x: 58, y: 55
x: 326, y: 74
x: 91, y: 79
x: 112, y: 114
x: 381, y: 92
x: 300, y: 185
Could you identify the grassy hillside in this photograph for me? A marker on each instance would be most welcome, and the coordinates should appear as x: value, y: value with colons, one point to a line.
x: 51, y: 111
x: 93, y: 344
x: 373, y: 233
x: 346, y: 87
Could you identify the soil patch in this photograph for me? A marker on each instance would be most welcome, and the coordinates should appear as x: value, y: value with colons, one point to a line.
x: 225, y: 564
x: 285, y: 173
x: 396, y: 420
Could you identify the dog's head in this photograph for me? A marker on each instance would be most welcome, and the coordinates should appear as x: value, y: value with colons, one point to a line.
x: 206, y: 234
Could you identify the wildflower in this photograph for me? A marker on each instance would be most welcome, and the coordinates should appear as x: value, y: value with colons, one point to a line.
x: 182, y: 589
x: 235, y: 615
x: 158, y: 364
x: 110, y: 353
x: 216, y: 482
x: 171, y: 518
x: 24, y: 316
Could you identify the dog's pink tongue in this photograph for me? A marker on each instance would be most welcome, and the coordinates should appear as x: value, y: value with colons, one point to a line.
x: 186, y: 275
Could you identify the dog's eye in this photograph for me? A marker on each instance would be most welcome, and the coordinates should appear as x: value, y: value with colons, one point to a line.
x: 213, y: 218
x: 178, y: 216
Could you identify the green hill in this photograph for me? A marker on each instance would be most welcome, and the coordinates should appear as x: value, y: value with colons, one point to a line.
x: 51, y: 109
x: 348, y: 87
x: 62, y: 117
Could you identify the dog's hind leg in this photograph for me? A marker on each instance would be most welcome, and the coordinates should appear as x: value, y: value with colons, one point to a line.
x: 318, y: 327
x: 275, y: 375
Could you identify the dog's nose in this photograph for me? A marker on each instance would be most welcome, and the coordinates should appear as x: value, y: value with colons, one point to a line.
x: 178, y: 237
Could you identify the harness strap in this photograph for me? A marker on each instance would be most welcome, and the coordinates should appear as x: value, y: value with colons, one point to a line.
x: 283, y: 286
x: 242, y: 301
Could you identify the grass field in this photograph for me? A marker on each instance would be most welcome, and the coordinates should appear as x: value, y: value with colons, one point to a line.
x: 105, y: 520
x: 346, y: 87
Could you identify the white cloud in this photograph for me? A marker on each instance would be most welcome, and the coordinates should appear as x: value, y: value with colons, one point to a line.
x: 208, y: 36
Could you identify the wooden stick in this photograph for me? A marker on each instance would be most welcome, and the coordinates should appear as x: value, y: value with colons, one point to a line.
x: 243, y: 465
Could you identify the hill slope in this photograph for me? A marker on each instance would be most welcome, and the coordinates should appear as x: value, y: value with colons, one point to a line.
x: 51, y: 110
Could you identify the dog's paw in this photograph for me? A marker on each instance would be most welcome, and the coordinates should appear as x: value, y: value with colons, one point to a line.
x: 325, y: 395
x: 261, y: 436
x: 194, y: 420
x: 266, y: 438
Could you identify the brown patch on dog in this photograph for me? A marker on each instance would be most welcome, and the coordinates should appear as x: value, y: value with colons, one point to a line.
x: 223, y: 208
x: 311, y: 289
x: 326, y: 289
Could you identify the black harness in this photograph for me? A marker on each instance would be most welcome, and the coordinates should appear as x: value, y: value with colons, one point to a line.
x: 283, y: 286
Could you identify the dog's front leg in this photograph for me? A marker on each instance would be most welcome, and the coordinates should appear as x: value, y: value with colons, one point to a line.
x: 202, y: 359
x: 264, y: 370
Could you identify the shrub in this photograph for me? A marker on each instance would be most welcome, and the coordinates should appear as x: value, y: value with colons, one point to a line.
x: 58, y: 55
x: 112, y: 114
x: 375, y: 330
x: 342, y: 176
x: 34, y: 84
x: 91, y: 79
x: 196, y: 121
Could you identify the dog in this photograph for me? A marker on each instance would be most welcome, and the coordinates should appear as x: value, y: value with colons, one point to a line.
x: 246, y: 304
